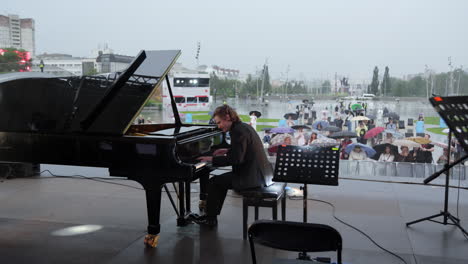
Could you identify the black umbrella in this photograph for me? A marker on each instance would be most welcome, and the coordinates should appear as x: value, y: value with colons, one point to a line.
x: 267, y: 129
x: 331, y: 129
x: 256, y: 113
x: 305, y: 101
x: 292, y: 115
x: 300, y: 127
x: 371, y: 116
x: 343, y: 134
x: 381, y: 148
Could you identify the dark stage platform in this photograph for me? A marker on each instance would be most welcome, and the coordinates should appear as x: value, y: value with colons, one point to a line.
x: 36, y: 212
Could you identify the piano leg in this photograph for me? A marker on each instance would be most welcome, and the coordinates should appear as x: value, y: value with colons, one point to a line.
x: 181, y: 221
x: 188, y: 197
x: 153, y: 205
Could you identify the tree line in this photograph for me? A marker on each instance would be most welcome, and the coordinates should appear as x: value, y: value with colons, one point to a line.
x: 419, y: 85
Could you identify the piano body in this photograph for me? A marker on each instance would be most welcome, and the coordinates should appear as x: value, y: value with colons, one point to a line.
x: 88, y: 121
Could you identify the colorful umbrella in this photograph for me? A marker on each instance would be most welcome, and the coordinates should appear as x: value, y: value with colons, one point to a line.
x: 419, y: 140
x: 322, y: 123
x: 256, y: 113
x: 281, y: 130
x: 406, y: 143
x: 374, y: 132
x: 356, y: 106
x: 369, y: 151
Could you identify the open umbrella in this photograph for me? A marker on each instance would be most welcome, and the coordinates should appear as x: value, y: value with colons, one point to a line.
x: 381, y: 148
x: 324, y: 142
x: 343, y: 134
x: 371, y: 116
x: 300, y: 127
x: 322, y: 123
x: 279, y: 139
x: 419, y: 140
x: 369, y: 151
x: 331, y: 129
x: 374, y: 132
x: 406, y: 143
x: 394, y: 133
x: 356, y: 106
x: 256, y: 113
x: 440, y: 144
x: 292, y: 115
x: 281, y: 130
x: 359, y: 118
x: 267, y: 129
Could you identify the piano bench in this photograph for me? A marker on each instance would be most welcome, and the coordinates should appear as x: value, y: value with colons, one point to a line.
x: 263, y: 197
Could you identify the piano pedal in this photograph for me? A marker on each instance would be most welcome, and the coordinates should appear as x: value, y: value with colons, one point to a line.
x: 151, y: 240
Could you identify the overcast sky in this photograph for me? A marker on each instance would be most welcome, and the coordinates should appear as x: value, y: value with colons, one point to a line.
x: 315, y: 37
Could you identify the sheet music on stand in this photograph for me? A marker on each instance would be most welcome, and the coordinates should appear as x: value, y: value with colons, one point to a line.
x: 307, y: 164
x: 454, y: 111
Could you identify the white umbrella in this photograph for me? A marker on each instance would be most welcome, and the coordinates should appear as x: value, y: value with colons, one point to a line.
x: 360, y: 118
x: 405, y: 142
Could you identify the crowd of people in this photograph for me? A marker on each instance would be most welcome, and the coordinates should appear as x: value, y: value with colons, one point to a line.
x: 373, y: 137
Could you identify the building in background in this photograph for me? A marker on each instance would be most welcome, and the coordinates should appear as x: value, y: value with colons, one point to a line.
x: 17, y: 33
x: 59, y: 64
x: 112, y: 62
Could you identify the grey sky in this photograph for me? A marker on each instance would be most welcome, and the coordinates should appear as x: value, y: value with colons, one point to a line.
x: 316, y: 38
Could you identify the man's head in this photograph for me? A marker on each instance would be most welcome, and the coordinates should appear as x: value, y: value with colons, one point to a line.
x: 427, y: 136
x: 357, y: 149
x: 224, y: 116
x: 287, y: 141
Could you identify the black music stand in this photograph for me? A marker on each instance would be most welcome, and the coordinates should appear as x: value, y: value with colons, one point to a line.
x: 454, y: 111
x: 307, y: 165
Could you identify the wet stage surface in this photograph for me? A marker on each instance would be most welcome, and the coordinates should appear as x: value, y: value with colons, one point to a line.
x: 34, y: 211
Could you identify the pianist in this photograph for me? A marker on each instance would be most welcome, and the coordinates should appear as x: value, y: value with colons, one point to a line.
x: 250, y: 166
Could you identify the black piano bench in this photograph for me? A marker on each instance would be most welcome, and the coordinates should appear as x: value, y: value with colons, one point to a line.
x: 263, y: 197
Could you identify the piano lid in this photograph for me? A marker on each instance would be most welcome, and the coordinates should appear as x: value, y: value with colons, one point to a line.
x: 37, y: 102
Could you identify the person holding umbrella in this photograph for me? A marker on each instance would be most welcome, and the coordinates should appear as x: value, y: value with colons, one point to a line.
x: 357, y: 154
x: 387, y: 155
x: 344, y: 143
x: 361, y: 131
x: 404, y: 155
x: 253, y: 118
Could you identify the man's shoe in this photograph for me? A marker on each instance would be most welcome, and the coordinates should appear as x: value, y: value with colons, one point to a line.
x: 208, y: 221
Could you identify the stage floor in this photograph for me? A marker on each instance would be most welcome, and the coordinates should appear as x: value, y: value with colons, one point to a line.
x: 34, y: 211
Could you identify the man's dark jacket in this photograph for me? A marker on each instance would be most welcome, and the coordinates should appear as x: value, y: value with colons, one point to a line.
x: 247, y: 157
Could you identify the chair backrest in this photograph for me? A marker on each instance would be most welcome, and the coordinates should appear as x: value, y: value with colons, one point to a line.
x: 410, y: 121
x: 295, y: 236
x: 401, y: 124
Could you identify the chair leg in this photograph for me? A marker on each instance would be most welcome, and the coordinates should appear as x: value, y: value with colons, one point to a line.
x: 275, y: 211
x: 245, y: 215
x: 256, y: 213
x: 283, y: 207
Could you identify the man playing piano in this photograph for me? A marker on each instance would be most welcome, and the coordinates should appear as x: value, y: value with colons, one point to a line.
x: 250, y: 166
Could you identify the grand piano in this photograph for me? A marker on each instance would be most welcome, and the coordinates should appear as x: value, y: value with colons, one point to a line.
x: 88, y: 121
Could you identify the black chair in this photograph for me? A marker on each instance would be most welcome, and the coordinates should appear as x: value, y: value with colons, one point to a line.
x: 420, y: 134
x: 410, y: 122
x: 401, y: 124
x: 295, y: 236
x: 409, y: 134
x: 263, y: 197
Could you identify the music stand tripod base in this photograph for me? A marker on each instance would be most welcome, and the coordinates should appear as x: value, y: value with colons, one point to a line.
x: 454, y: 111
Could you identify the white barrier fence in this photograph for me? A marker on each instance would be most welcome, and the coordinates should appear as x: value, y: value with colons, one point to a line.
x: 369, y: 168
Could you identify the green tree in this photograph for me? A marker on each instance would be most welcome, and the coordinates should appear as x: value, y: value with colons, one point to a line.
x: 326, y: 87
x: 92, y: 71
x: 386, y: 84
x: 10, y: 61
x: 374, y: 86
